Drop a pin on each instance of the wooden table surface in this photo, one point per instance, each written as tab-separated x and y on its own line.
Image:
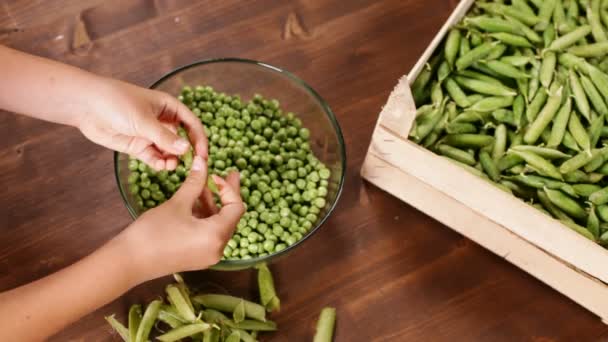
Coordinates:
393	273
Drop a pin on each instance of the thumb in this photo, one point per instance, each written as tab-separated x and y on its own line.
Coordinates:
164	138
194	184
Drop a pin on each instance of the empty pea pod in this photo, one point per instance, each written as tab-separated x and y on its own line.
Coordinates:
570	39
484	87
325	325
575	127
183	332
452	46
268	295
545	117
147	321
560	124
566	203
456	93
135	316
474	55
541	164
120	329
493	103
468	140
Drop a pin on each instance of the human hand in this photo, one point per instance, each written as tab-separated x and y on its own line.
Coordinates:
142	123
187	232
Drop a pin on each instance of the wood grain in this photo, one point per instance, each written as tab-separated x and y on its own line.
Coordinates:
393	273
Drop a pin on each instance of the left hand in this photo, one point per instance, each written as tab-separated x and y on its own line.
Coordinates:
142	123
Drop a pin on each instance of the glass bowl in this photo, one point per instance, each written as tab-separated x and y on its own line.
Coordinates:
246	78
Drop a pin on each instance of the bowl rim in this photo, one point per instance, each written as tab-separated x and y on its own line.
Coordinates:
239	263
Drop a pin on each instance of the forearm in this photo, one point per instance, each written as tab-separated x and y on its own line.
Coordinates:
37	310
45	89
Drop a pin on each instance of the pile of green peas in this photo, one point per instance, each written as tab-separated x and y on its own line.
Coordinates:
283	185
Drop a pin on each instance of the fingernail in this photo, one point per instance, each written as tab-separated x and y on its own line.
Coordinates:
181	144
198	164
217	179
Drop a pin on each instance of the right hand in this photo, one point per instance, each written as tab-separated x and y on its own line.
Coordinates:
187	232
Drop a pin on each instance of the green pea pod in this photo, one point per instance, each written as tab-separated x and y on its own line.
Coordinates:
489	166
535	106
465	46
527	32
233	337
599	197
540	163
508	161
547	68
505	69
522	5
485	87
122	331
500	9
559	13
479	76
468	168
452	46
135	316
575	127
544	118
500	142
268	295
518	190
511	39
595	129
456	93
579	229
492	103
252	325
585	190
492	25
570	39
560	124
600	80
591	50
545	152
471	117
497	52
569	142
169	316
517	139
517	61
147	321
475	98
553	209
594	20
425	126
518	111
602	212
572	11
457	154
580	97
325	325
183	332
468	140
244	335
594	96
443	72
474	55
211	335
549	35
504	116
539	182
460	128
580	160
544	14
566	203
238	315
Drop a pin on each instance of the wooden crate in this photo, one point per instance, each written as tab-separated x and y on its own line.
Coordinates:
524	236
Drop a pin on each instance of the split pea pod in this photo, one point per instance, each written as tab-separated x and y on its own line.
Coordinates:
228	304
541	164
135	316
544	117
560	124
122	331
184	331
325	325
268	295
147	321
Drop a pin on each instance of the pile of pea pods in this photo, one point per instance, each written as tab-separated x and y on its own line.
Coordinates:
517	94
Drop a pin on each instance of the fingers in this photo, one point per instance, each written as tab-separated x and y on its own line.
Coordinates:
155	159
194	127
208	202
232	205
194	184
163	137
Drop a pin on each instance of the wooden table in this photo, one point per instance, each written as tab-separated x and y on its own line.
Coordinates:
393	273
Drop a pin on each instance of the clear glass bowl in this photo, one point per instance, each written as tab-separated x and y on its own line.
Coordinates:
247	77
